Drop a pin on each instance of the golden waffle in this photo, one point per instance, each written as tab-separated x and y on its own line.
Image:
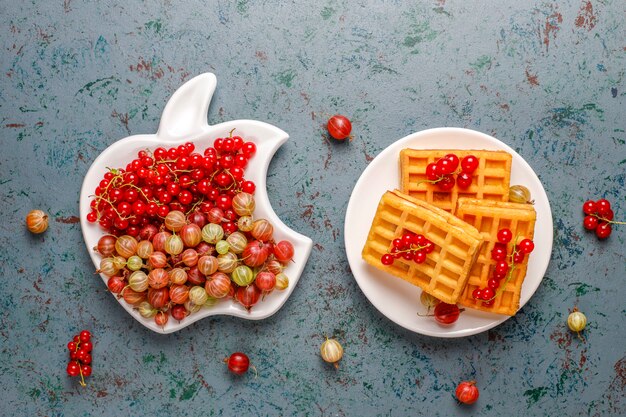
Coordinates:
490	181
446	269
489	217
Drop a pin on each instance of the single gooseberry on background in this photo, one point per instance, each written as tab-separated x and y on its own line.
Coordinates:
37	221
339	127
332	352
467	392
576	321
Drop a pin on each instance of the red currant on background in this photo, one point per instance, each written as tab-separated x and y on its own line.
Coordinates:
590	222
589	207
603	230
339	127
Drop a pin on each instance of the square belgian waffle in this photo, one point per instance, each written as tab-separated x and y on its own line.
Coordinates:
490	181
489	217
446	269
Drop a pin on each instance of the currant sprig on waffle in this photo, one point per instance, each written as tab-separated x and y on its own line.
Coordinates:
599	217
411	247
442	171
506	263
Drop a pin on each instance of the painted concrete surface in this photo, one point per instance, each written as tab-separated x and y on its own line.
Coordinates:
545	77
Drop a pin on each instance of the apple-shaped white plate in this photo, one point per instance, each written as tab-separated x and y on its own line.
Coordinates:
397	299
184	119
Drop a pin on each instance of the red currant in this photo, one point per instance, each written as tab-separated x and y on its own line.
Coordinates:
602	206
603	230
526	246
498	253
518	257
387	259
446	183
248	187
590	222
248	149
505	235
589	207
501	267
85	336
431	172
469	164
73	369
464	180
453	160
86	370
444	166
477	294
488	293
419	257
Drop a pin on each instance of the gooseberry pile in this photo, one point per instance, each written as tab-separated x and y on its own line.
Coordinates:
442	172
411	247
443	313
199	241
599	217
80	349
506	263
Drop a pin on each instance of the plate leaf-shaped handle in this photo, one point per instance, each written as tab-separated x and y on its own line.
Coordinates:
185	114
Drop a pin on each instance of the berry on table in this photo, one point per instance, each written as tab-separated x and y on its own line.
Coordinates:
339	127
599	217
80	358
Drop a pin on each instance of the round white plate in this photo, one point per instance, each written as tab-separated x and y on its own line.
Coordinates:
397	299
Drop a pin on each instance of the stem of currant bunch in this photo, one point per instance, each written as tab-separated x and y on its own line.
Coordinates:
412	248
607	220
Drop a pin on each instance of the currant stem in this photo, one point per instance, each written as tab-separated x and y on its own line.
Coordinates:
82	378
607	220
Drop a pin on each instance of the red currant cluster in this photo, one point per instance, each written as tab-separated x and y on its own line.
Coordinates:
80	356
177	178
505	265
411	247
599	217
442	171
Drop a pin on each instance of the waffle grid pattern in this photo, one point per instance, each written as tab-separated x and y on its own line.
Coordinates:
490	180
445	271
489	217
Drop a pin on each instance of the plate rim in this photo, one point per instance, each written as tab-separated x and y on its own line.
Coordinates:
422	135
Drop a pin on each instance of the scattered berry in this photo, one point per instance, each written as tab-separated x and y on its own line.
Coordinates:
80	358
467	392
36	221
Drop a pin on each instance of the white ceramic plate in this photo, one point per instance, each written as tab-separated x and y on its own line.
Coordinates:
397	299
185	119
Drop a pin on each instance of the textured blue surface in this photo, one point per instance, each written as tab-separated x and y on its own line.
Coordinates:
546	78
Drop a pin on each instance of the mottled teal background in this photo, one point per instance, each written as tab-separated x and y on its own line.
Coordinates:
546	77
